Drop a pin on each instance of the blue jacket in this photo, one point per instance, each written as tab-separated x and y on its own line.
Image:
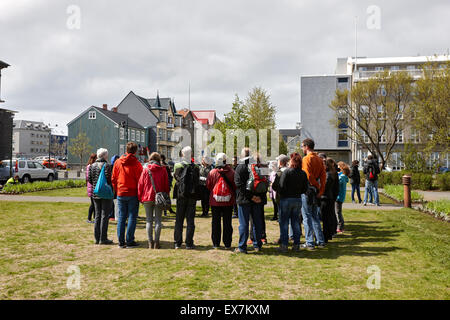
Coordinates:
343	180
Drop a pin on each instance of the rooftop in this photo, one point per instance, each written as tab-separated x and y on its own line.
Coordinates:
205	116
119	117
398	60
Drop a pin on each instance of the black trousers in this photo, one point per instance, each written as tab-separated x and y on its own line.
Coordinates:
275	208
219	214
328	218
185	210
91	210
102	211
263	220
205	200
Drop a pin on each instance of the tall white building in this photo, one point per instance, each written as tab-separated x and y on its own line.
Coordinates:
30	139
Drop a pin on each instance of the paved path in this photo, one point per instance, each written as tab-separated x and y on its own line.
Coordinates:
434	195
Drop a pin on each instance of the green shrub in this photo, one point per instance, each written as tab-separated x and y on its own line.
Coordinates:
396	191
443	181
442	206
43	185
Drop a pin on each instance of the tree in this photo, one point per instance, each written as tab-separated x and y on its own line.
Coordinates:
259	110
375	112
283	149
80	146
432	106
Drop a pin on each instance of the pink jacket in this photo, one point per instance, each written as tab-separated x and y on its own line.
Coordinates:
90	188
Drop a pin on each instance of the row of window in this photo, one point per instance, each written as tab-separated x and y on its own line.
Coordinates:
133	135
36	150
45	143
396	163
164	117
42	136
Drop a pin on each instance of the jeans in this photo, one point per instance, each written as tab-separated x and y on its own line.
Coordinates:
153	213
219	213
102	210
185	209
372	188
246	211
128	209
263	224
355	187
311	222
290	209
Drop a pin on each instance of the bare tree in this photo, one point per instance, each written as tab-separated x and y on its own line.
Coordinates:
80	146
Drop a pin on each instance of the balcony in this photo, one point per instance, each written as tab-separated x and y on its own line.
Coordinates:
365	75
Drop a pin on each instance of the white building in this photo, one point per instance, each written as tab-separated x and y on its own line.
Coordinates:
30	139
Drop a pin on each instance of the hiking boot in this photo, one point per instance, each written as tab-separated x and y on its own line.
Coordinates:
106	242
157	245
283	249
132	244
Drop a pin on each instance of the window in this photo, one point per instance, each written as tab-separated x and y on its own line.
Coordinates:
415	137
92	115
142	137
381	137
122	133
38	165
133	135
400	112
32	142
138	136
362	68
31	165
342	80
411	68
32	135
121	149
32	150
400	136
169	135
395	68
380	111
21	164
128	136
364	137
379	69
342	138
162	116
170	120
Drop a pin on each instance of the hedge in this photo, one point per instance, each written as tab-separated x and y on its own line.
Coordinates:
419	180
42	186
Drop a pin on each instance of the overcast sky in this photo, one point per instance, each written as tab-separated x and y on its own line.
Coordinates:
220	47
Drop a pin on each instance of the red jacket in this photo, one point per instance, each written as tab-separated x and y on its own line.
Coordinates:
211	181
145	188
126	173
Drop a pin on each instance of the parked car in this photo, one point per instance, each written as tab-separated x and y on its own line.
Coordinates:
4	171
30	170
53	163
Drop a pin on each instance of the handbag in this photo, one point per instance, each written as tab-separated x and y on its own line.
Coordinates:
162	199
102	189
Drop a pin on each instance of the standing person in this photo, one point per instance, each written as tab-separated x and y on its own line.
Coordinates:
205	169
343	179
235	207
170	176
273	166
261	211
250	204
371	170
187	176
114	216
89	188
283	161
293	183
355	180
328	199
102	206
147	194
222	189
314	169
126	174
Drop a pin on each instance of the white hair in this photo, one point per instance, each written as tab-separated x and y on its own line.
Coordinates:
102	153
186	152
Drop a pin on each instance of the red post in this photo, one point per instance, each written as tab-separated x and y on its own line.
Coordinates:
406	191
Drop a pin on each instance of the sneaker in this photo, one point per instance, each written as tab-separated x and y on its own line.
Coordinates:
122	245
278	242
237	250
274	218
321	246
364	204
305	246
106	242
250	242
258	249
90	221
216	247
133	244
177	247
112	219
378	205
264	241
283	249
339	231
227	248
190	248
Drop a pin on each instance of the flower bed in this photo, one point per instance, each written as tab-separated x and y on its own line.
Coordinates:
440	209
42	186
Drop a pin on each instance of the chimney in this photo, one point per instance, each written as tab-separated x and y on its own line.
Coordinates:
114	109
105	107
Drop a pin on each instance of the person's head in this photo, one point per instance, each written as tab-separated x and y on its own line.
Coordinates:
235	161
102	154
370	157
344	168
16	177
221	159
330	165
163	158
295	161
186	153
245	152
257	157
273	165
282	160
92	158
132	147
155	156
206	161
355	163
307	145
323	155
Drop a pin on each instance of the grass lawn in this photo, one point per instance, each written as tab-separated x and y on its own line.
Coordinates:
67	192
39	241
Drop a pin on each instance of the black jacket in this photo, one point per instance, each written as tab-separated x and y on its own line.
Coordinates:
94	173
241	176
354	176
293	183
331	187
375	169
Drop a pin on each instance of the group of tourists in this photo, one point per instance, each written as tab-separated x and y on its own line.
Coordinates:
308	191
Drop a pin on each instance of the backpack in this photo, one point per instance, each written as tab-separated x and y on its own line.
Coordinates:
102	189
257	183
372	176
189	182
222	189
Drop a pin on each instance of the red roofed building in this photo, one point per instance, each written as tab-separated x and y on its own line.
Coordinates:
206	117
204	120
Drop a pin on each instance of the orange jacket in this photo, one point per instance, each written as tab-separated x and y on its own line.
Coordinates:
125	177
315	170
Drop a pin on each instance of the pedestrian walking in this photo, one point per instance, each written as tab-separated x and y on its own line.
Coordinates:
205	169
355	181
371	170
89	188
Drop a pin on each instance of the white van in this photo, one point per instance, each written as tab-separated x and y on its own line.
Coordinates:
29	170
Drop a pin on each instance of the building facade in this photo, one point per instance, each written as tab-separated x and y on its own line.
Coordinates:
30	139
6	133
204	120
105	129
188	124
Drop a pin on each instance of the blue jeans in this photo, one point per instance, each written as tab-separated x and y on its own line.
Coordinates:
244	213
372	188
289	210
128	209
355	187
311	222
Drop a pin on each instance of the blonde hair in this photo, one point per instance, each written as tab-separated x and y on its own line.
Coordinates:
344	167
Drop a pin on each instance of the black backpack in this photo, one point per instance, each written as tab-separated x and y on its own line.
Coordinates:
188	184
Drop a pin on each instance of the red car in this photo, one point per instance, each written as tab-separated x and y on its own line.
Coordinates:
53	163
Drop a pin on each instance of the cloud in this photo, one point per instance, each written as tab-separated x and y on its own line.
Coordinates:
219	47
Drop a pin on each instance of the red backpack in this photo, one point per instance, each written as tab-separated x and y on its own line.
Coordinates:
257	183
222	191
